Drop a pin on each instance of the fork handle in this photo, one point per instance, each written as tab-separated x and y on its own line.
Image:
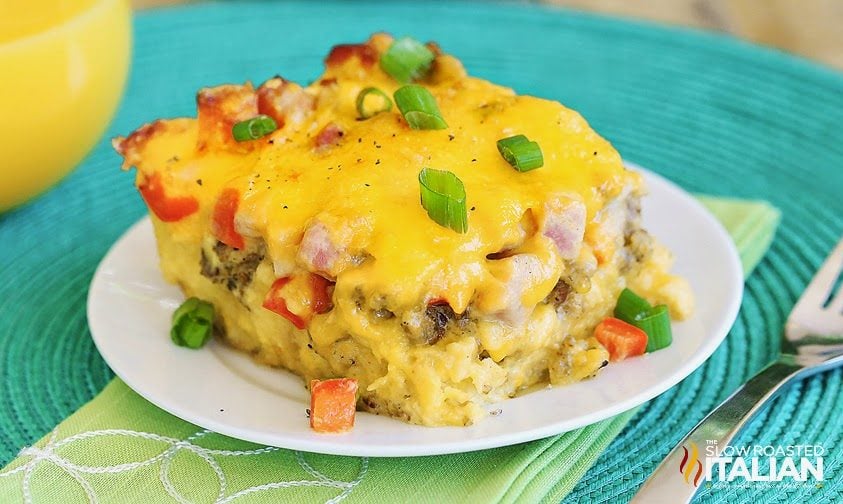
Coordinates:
668	484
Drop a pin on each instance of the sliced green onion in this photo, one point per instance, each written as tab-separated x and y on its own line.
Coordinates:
419	107
521	153
656	323
406	60
443	196
653	320
367	112
192	323
631	307
254	128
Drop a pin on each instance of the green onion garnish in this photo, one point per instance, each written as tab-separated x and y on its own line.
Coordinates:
406	60
656	323
419	107
192	323
385	104
254	128
631	307
521	153
653	320
443	196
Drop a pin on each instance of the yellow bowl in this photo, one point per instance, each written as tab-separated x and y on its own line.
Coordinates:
63	65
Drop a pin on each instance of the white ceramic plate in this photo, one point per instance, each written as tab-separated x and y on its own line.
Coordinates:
129	308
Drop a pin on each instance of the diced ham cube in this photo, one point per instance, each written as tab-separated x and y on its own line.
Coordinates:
608	237
286	102
320	253
525	271
563	221
328	136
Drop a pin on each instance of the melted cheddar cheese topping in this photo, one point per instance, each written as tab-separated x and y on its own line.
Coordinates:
364	185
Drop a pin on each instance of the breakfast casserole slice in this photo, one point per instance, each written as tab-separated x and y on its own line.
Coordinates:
446	251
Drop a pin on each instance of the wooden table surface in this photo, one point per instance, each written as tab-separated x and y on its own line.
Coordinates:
810	28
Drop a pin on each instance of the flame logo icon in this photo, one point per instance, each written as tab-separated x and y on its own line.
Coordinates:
690	462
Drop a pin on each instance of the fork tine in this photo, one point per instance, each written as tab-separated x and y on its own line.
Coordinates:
820	287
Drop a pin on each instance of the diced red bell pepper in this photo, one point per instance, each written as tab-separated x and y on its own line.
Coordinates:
340	53
318	298
333	404
166	208
321	289
622	340
275	301
223	221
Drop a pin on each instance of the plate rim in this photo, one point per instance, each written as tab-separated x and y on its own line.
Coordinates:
332	445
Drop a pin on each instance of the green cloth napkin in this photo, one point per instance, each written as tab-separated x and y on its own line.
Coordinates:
120	448
752	224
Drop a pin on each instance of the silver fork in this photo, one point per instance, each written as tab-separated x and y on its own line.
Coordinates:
813	342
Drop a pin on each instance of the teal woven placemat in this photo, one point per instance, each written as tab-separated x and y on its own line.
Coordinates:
712	114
